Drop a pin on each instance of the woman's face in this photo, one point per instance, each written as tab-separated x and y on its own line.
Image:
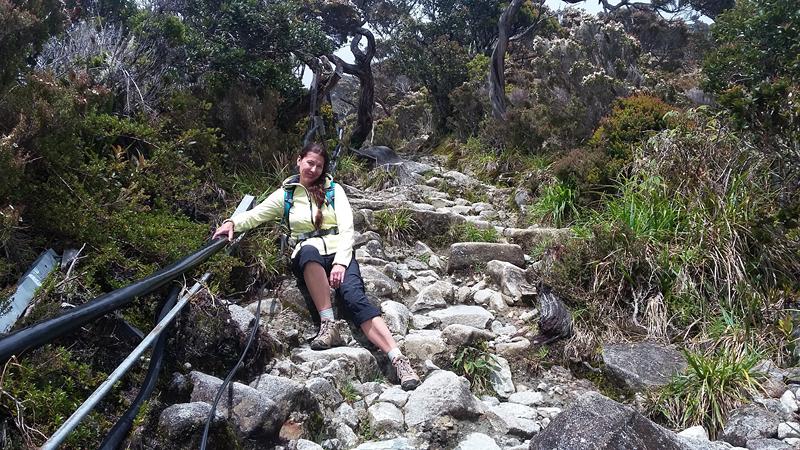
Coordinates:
311	167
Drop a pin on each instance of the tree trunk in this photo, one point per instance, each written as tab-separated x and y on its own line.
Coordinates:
362	69
497	80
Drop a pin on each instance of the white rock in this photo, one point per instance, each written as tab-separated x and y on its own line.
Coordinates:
364	362
500	377
788	430
471	315
789	401
502	329
422	344
697	432
347	415
392	444
346	436
395	396
421	321
520	419
794	442
442	393
517	346
477	441
549	412
527	398
396	316
433	296
303	444
385	417
489	400
483	296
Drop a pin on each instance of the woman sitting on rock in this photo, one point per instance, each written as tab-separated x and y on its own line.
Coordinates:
323	257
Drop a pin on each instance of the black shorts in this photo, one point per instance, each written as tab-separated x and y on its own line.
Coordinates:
351	293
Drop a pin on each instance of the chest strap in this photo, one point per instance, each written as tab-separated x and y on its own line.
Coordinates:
317	233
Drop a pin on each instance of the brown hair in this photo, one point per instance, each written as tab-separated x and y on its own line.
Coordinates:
317	188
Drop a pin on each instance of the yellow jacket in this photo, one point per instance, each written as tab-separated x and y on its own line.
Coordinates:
300	220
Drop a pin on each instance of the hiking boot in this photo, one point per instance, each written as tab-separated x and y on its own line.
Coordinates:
408	377
327	337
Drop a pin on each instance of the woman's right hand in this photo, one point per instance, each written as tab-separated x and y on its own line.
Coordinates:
226	229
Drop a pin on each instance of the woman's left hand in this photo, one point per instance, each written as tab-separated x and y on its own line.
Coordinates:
337	276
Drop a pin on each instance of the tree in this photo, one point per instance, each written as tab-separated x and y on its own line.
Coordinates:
24	28
362	69
710	8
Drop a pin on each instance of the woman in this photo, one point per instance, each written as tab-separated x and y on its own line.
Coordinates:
323	257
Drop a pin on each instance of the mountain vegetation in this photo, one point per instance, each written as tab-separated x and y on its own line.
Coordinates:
668	147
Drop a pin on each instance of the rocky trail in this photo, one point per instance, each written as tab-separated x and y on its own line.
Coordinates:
438	300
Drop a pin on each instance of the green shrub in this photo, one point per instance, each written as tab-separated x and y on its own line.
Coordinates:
397	225
713	385
475	363
469	232
556	204
631	121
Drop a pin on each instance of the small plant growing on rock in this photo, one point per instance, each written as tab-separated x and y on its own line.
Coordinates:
468	232
349	392
475	363
713	385
397	224
556	204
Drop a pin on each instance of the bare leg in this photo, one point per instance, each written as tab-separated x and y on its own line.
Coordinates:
318	287
378	333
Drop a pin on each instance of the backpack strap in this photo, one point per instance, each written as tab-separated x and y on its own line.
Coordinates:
288	201
330	195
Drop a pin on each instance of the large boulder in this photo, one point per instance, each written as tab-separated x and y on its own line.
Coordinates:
433	296
280	389
643	365
748	423
442	393
397	316
364	362
470	315
183	423
377	283
511	279
465	255
251	412
423	344
595	422
434	223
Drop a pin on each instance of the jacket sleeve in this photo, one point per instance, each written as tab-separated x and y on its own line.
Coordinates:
344	221
268	210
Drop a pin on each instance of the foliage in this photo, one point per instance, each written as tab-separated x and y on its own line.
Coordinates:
711	388
25	26
468	232
42	393
700	222
556	204
475	364
396	224
755	67
349	392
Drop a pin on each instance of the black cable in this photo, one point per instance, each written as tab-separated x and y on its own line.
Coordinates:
44	332
253	334
124	424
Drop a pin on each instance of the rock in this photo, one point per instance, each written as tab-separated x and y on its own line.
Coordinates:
421	321
465	255
477	441
179	422
434	223
549	412
484	296
697	433
346	436
520	419
527	398
365	364
516	347
269	307
433	296
442	393
385	418
422	344
396	316
375	282
500	377
469	315
375	248
395	396
393	444
303	444
555	320
324	391
252	413
530	237
511	279
749	422
347	415
643	365
422	281
768	444
360	239
789	402
458	335
594	422
242	318
788	430
279	389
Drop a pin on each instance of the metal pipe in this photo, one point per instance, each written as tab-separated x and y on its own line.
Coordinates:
58	437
